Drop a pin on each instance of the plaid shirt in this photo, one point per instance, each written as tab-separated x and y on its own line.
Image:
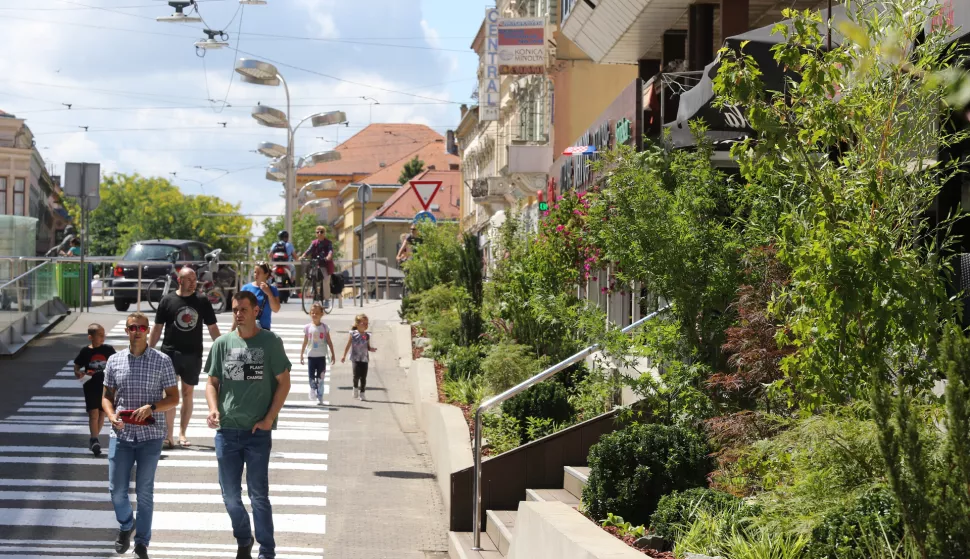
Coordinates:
139	381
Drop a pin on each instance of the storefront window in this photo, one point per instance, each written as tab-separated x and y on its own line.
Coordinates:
3	195
18	196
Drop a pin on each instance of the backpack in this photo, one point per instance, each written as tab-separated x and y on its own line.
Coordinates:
278	246
336	283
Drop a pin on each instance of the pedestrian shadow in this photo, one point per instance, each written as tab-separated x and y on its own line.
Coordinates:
369	388
388	401
334	407
399	474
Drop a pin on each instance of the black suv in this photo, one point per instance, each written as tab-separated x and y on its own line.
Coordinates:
125	275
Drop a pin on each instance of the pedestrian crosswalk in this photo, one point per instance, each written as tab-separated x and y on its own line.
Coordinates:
53	492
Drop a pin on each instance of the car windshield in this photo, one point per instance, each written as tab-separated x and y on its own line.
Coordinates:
149	252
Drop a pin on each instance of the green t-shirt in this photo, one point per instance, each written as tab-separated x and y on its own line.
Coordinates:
247	371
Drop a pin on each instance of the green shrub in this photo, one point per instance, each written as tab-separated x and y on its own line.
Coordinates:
469	391
843	533
443	331
464	362
546	400
435	259
501	432
509	364
623	528
435	300
633	468
677	510
538	427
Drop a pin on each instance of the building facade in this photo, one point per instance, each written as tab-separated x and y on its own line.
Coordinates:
506	161
26	187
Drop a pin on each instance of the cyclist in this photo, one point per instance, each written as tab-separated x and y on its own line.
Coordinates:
321	251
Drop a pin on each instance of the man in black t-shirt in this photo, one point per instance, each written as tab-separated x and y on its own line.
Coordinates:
182	314
89	369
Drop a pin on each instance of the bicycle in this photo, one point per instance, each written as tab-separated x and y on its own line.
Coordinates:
163	285
313	292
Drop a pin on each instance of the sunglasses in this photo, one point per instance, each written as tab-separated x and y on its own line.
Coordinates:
137	328
320	232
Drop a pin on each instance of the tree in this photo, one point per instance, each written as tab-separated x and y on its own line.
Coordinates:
411	169
135	208
303	233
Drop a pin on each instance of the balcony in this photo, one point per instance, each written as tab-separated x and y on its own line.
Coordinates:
528	167
491	192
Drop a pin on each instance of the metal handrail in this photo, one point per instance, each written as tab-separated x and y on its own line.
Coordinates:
494	400
22	276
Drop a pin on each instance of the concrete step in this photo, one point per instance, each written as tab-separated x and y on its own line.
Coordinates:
552	495
499	525
460	547
574	479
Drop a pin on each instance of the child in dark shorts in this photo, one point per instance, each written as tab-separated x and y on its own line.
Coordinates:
89	369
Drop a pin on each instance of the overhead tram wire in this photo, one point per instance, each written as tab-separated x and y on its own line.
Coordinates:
335	78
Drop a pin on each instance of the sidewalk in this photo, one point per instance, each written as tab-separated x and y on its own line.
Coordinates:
386	503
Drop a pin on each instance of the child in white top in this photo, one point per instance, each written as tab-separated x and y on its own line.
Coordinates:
315	335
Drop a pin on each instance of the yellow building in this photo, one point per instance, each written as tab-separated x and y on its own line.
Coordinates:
375	156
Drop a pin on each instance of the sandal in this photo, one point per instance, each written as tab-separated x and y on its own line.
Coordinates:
184	443
167	444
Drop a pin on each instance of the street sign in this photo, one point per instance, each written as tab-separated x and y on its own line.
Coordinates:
82	180
424	216
426	191
364	194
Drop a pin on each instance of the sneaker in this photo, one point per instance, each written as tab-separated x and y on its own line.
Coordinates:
361	396
245	551
141	552
123	541
95	446
356	394
312	395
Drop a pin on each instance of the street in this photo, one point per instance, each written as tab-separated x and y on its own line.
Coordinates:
53	491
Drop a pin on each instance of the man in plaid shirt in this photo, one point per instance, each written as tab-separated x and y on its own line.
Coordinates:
138	381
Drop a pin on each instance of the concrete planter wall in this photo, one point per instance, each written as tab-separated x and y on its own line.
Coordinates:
444	425
554	530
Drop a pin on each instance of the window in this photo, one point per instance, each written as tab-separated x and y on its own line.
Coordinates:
197	253
3	195
18	196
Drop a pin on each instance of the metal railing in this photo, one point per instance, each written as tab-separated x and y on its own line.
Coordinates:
495	400
104	266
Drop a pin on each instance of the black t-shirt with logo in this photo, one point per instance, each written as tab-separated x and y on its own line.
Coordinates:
181	317
92	361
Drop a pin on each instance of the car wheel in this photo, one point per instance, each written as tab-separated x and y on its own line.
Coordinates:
121	305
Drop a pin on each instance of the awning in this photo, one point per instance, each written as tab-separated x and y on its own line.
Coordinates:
730	123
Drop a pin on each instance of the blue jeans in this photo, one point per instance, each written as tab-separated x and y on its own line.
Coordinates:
235	448
122	456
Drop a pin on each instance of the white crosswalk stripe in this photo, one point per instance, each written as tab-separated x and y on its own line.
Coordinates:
48	487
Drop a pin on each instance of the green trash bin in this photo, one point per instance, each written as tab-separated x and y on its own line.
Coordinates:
68	277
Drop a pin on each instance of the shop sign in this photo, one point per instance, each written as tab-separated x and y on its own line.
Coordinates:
489	93
577	171
624	131
521	46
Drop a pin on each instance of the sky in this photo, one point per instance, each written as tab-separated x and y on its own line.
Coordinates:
151	105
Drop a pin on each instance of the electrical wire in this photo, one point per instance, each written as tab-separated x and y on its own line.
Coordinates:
356	42
332	77
110	10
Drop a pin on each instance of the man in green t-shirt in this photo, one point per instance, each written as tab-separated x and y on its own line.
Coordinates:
249	378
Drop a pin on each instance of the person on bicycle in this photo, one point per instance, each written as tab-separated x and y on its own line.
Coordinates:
321	252
407	245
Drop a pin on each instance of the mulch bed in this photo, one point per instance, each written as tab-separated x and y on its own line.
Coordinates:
630	540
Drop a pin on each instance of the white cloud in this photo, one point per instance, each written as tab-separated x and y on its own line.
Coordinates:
433	38
321	15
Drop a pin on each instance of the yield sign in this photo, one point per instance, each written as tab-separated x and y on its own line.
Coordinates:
426	191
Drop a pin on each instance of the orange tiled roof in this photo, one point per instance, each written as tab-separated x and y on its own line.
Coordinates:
404	204
433	155
364	152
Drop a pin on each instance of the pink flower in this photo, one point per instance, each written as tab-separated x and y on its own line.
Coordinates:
559	228
603	290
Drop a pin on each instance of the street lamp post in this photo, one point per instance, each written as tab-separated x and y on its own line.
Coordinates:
264	73
370	115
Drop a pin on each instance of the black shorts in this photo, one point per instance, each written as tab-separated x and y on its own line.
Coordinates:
93	390
188	366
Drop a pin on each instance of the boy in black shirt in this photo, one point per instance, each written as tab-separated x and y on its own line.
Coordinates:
89	369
